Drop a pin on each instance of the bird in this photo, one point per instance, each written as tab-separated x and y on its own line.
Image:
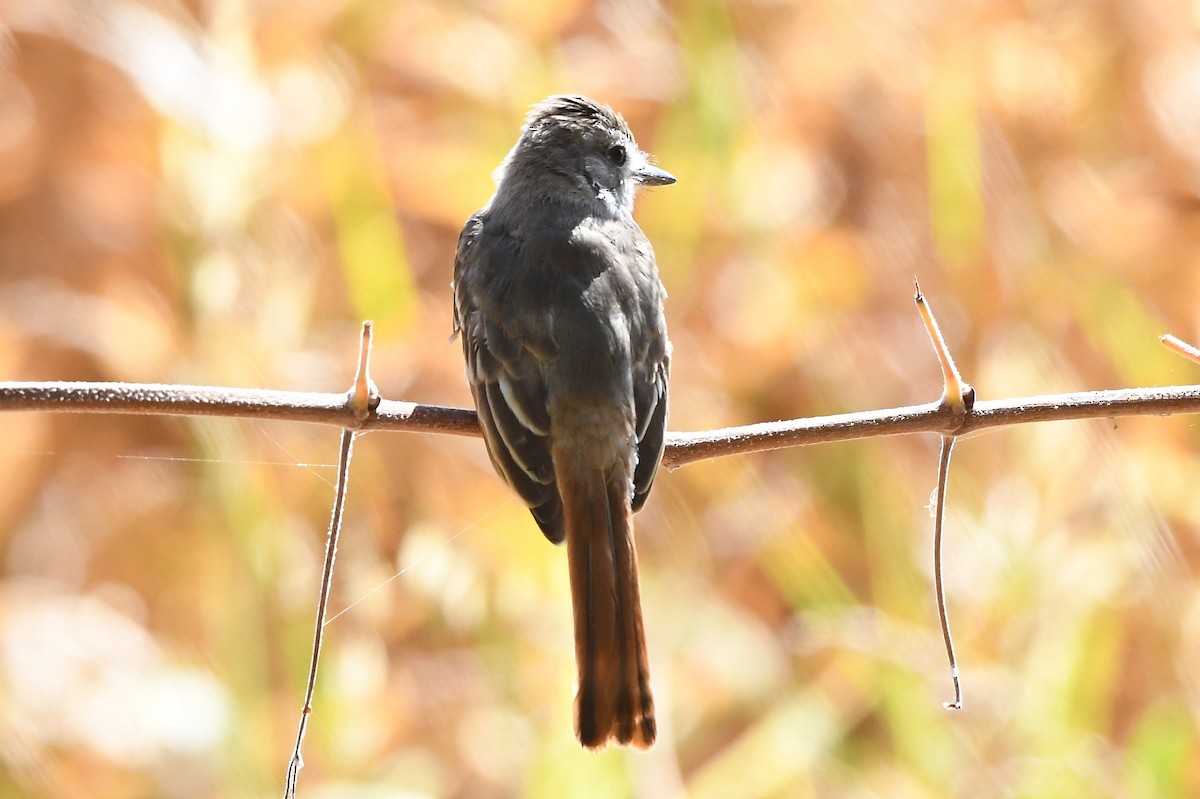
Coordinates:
559	307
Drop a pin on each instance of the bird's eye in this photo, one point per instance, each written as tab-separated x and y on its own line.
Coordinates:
617	154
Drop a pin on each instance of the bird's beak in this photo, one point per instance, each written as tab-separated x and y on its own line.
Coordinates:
650	175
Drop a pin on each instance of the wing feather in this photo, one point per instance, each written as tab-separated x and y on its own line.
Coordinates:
652	405
510	396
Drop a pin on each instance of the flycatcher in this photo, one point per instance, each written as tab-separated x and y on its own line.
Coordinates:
560	308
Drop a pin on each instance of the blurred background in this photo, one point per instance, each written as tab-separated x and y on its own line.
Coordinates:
219	192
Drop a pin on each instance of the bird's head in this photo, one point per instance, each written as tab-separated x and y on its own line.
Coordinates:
580	152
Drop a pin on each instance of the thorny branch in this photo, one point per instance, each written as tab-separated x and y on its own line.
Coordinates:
360	409
682	448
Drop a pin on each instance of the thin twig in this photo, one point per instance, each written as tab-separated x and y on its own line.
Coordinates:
335	528
939	515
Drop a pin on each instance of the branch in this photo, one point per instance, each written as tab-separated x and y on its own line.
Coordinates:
682	448
360	409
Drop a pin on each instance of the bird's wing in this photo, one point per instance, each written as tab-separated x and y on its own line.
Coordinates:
652	368
510	395
651	401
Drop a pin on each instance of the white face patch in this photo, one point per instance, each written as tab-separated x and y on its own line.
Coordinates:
611	203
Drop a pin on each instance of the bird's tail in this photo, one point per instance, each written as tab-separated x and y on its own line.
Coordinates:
613	700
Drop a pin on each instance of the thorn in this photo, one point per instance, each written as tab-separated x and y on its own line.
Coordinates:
956	392
1180	347
364	395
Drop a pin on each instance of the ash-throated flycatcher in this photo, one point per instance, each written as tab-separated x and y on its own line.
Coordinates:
560	308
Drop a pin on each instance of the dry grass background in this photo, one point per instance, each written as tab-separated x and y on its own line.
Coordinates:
218	192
